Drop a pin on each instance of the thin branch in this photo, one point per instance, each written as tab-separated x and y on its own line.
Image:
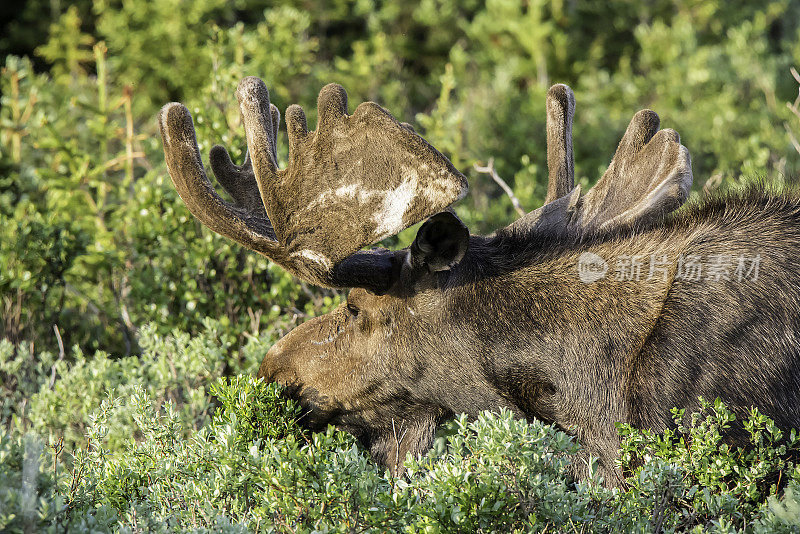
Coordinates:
60	356
489	169
792	138
793	107
795	74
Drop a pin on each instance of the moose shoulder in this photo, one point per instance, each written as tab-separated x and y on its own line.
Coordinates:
591	310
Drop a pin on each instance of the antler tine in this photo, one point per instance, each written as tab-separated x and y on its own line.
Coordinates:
186	169
562	195
260	127
331	106
560	161
296	128
237	180
240	181
649	176
598	201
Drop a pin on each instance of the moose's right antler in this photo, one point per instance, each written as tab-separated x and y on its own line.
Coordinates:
649	176
354	181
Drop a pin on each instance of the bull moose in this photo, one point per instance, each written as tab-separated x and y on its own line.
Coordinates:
538	317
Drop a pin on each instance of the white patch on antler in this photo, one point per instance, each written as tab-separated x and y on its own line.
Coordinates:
388	216
389	220
191	146
437	189
347	190
330	339
313	256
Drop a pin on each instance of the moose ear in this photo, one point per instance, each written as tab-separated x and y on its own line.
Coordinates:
441	242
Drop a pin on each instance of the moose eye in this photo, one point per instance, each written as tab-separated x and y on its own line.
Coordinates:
352	309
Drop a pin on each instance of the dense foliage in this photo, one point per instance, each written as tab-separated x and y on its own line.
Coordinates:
151	454
117	403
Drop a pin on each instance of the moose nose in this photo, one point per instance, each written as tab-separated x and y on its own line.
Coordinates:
275	366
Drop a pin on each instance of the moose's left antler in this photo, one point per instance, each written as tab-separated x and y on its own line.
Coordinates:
353	181
649	176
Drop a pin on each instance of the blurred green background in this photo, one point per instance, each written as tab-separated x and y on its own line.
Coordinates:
95	241
120	314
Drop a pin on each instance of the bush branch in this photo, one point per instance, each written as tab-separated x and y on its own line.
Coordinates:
489	169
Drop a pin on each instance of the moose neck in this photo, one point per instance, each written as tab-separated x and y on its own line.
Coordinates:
552	344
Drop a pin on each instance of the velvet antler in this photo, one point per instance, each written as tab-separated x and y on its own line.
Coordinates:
353	181
649	176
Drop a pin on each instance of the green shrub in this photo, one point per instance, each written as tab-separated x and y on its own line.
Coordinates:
690	477
56	398
146	448
496	474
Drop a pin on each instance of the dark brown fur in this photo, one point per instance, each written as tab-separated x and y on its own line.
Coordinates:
512	326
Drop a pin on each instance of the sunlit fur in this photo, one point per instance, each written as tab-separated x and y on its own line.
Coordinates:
512	326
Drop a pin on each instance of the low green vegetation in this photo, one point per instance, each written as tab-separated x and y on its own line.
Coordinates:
129	332
163	443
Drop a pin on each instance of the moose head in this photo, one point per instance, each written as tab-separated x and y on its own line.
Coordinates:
455	322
